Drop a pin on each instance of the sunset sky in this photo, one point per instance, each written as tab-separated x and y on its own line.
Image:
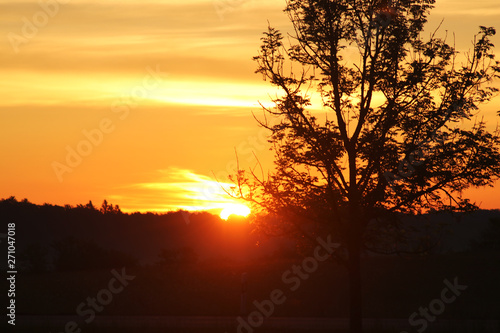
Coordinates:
162	89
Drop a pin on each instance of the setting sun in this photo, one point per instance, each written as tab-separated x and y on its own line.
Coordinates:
234	209
170	98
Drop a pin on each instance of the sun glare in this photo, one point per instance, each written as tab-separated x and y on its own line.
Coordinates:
234	209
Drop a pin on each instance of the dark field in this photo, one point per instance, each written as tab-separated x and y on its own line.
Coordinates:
187	277
394	288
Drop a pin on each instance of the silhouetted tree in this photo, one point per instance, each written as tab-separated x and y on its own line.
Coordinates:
371	121
109	208
90	206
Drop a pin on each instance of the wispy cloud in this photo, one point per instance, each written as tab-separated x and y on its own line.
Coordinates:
67	77
92	49
177	188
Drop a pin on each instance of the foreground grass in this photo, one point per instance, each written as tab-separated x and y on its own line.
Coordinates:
393	288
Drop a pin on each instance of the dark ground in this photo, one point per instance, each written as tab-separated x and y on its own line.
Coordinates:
194	269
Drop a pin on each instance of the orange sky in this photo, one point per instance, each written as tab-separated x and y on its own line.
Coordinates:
163	89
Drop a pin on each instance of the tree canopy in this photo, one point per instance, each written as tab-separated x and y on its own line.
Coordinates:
372	116
371	120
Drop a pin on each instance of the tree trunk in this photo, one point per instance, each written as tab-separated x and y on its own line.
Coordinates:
355	296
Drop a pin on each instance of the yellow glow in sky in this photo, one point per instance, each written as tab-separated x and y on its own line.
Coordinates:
162	90
237	209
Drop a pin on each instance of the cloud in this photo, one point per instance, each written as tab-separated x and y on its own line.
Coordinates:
177	188
91	49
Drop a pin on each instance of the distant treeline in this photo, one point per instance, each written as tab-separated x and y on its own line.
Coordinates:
191	263
62	238
51	237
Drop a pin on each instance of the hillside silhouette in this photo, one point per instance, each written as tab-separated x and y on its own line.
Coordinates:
191	263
